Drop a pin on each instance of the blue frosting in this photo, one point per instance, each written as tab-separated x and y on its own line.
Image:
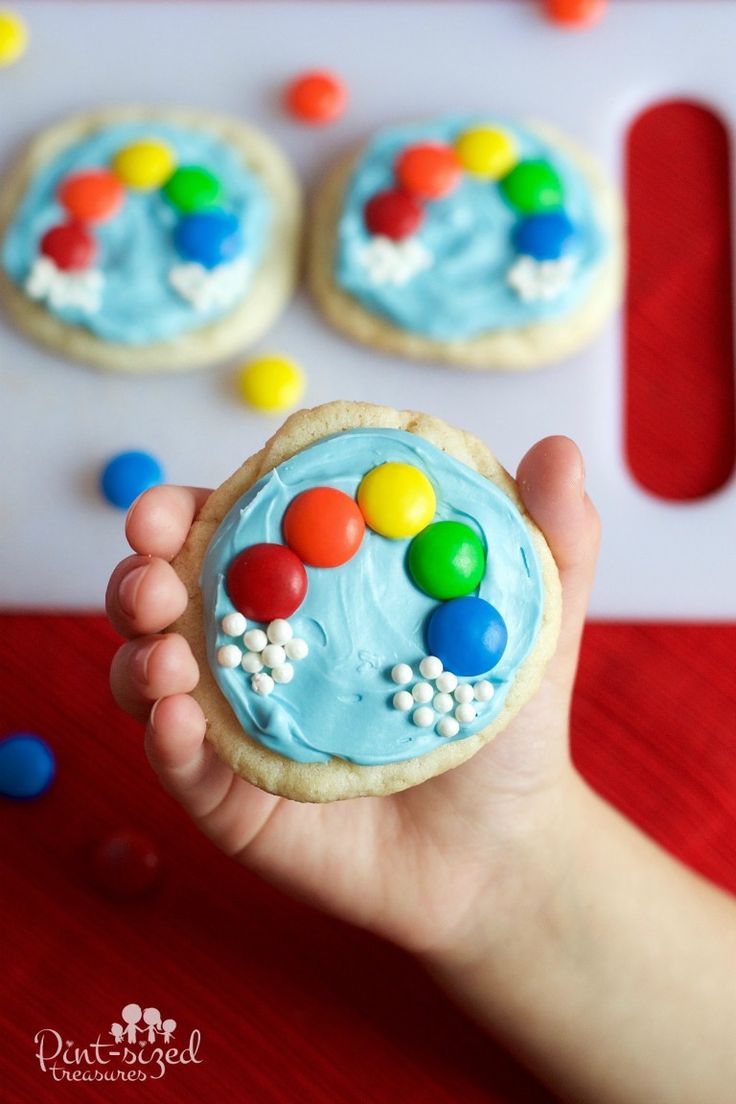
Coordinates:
362	618
464	292
136	249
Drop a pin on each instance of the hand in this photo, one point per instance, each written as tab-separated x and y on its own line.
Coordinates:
414	866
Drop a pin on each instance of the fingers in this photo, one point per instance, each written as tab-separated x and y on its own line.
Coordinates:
144	595
149	668
158	521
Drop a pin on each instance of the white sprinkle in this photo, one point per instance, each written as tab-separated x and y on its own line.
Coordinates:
430	667
279	631
422	692
296	648
255	640
273	655
262	683
283	674
483	690
234	624
402	673
465	713
448	727
229	655
251	663
442	703
423	716
446	682
403	700
464	693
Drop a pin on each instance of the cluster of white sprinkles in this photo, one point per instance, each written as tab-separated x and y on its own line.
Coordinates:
270	649
447	696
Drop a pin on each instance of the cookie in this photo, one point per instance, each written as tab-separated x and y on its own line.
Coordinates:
369	604
147	239
480	243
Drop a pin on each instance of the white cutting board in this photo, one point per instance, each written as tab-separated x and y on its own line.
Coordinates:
59	421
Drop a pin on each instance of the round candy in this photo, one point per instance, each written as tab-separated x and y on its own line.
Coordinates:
209	238
544	236
397	500
13	37
430	667
271	383
468	634
192	188
70	246
229	655
262	684
317	97
324	527
393	214
430	170
93	195
402	673
266	581
126	864
422	692
296	648
487	152
403	701
251	663
423	716
234	624
279	631
128	475
273	655
144	165
447	559
27	765
533	186
575	13
448	727
255	640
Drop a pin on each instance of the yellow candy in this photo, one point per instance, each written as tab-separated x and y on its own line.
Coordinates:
271	383
487	152
397	500
144	165
13	37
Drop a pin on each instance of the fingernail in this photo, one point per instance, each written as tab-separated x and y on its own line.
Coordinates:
141	659
152	714
128	589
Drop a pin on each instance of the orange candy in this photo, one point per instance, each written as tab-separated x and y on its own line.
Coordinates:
316	97
430	170
575	13
93	195
324	527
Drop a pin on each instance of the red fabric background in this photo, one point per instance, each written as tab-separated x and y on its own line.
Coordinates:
292	1005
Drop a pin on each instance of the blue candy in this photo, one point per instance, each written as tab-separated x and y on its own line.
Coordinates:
468	634
543	237
127	475
209	237
27	765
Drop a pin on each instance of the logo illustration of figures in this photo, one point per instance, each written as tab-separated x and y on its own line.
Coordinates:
132	1015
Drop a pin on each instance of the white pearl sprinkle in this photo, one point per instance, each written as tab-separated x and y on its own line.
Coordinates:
234	624
446	682
483	690
448	727
442	703
422	692
465	713
283	674
423	717
296	648
251	662
403	700
279	631
262	683
464	693
402	673
430	667
273	655
229	655
255	640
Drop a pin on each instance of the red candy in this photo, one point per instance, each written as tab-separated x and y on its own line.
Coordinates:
430	170
125	864
394	214
575	13
316	97
94	195
71	246
266	581
324	527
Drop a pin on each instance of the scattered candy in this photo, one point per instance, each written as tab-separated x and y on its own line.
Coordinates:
468	634
397	500
483	690
229	655
430	170
94	195
575	13
144	165
209	238
402	673
255	640
464	693
403	700
273	655
543	237
192	188
296	648
271	383
70	246
283	673
234	624
447	560
27	765
423	717
393	214
422	692
535	281
316	97
279	631
442	703
448	727
251	663
262	684
430	667
465	713
126	864
13	37
128	475
324	527
533	186
446	682
266	581
487	152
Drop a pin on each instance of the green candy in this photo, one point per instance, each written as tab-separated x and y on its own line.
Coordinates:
192	188
447	560
533	186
